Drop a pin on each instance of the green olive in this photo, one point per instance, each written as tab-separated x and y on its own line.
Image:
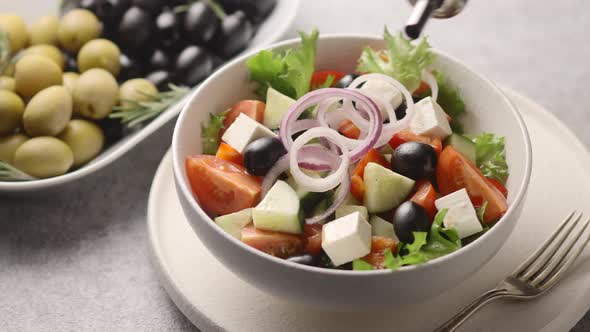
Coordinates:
11	111
7	83
49	51
84	138
43	157
95	94
100	53
136	90
16	28
48	112
34	73
44	30
69	80
76	28
9	144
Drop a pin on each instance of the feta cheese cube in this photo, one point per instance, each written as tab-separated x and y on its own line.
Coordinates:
347	238
460	215
430	120
243	131
382	92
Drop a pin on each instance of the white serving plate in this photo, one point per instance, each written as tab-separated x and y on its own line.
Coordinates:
270	31
214	299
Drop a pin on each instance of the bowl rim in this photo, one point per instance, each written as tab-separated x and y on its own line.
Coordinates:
184	188
133	139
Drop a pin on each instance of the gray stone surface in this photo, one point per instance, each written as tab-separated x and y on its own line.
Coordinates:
78	259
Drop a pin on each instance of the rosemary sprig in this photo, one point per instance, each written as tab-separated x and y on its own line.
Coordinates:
11	173
138	113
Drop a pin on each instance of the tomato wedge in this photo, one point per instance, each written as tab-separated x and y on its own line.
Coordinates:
273	243
252	108
222	187
321	76
405	136
373	156
349	129
455	172
378	246
425	195
357	187
499	186
313	239
228	153
424	87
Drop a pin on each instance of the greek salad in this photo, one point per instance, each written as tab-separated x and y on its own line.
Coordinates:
359	171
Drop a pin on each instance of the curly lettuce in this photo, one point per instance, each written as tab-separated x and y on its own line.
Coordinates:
490	156
210	133
439	241
401	60
290	72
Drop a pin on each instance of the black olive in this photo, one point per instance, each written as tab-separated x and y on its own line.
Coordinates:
135	29
130	68
345	81
325	262
400	111
71	63
153	6
167	27
256	10
193	65
109	12
160	78
408	218
304	259
414	160
160	60
200	23
261	155
233	35
217	61
112	128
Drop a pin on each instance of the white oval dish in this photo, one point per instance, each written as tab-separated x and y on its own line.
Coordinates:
488	110
270	31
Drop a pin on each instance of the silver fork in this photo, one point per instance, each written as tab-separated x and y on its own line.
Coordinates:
538	273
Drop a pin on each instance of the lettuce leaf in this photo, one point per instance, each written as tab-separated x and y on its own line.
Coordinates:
361	265
289	72
402	60
210	137
426	246
490	156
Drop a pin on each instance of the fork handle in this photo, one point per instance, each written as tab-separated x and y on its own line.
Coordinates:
469	310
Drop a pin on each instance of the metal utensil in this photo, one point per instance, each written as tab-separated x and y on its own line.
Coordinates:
424	9
541	271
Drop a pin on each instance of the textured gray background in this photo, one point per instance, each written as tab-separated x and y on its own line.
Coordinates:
79	258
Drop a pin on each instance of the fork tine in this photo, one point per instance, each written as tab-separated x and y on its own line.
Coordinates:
559	256
550	250
562	268
541	249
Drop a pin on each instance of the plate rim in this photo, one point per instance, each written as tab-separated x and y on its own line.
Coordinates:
200	320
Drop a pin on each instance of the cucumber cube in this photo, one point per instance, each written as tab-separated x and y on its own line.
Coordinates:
277	105
234	222
384	189
279	210
380	227
344	210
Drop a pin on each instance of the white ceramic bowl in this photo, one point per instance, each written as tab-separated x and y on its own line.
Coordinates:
270	31
488	110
